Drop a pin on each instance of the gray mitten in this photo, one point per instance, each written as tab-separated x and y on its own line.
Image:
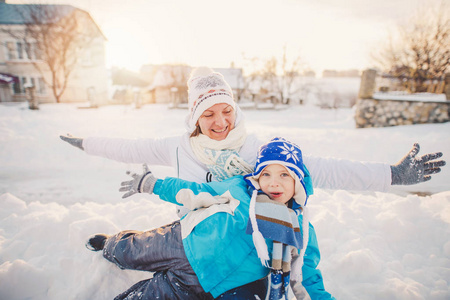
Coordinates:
74	141
142	183
411	169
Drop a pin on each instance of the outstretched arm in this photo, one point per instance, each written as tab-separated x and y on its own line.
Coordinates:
333	173
190	194
411	169
155	151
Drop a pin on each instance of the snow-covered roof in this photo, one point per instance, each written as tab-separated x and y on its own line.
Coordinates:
22	13
423	97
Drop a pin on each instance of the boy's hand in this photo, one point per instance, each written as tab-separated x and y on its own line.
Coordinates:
76	142
411	169
142	183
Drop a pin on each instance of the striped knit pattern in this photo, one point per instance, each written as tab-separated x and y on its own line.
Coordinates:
277	222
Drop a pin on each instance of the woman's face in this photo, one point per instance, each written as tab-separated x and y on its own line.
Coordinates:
217	121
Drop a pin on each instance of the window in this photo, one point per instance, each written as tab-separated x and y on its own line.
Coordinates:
23	82
36	51
33	52
41	85
11	50
16	88
28	50
37	82
21	50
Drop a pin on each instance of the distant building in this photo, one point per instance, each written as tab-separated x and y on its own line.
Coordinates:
343	73
329	73
19	57
309	73
168	83
235	79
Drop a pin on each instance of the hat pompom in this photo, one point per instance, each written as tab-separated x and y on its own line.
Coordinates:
261	247
258	238
201	71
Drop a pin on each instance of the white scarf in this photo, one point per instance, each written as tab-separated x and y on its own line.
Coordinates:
222	154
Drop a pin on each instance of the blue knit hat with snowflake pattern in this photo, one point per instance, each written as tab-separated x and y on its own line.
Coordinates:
281	151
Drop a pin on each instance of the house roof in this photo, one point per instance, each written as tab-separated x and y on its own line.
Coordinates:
21	14
18	14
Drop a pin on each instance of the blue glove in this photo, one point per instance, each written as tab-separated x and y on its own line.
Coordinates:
143	183
411	169
74	141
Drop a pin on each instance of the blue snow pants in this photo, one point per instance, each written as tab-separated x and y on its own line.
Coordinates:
161	251
254	290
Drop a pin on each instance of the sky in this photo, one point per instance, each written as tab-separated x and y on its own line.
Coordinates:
325	34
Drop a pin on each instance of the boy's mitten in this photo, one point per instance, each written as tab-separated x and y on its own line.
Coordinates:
411	169
96	242
74	141
142	183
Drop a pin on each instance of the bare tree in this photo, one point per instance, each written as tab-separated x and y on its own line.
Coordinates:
280	76
253	79
421	52
290	71
57	37
270	79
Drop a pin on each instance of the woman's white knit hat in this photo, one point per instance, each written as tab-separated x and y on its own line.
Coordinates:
205	89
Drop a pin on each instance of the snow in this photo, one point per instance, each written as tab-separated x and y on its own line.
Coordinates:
400	95
374	245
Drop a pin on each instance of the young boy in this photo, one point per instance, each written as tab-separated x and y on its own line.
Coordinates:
214	251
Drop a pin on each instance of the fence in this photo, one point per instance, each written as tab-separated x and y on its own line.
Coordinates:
380	105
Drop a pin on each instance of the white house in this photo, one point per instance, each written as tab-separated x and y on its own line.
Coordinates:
21	62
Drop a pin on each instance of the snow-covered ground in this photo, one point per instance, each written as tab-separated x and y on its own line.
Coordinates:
374	245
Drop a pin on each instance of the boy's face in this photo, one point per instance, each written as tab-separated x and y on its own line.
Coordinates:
277	183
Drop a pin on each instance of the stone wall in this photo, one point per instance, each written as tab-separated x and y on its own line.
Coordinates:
383	113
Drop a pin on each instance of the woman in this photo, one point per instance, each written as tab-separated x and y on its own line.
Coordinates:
216	146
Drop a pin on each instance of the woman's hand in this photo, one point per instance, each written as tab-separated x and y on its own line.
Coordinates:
411	169
74	141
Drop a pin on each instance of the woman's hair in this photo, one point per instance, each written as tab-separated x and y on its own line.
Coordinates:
196	131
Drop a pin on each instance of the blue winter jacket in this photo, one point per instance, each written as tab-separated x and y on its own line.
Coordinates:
214	234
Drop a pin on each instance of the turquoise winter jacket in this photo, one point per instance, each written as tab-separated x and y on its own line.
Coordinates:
214	235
